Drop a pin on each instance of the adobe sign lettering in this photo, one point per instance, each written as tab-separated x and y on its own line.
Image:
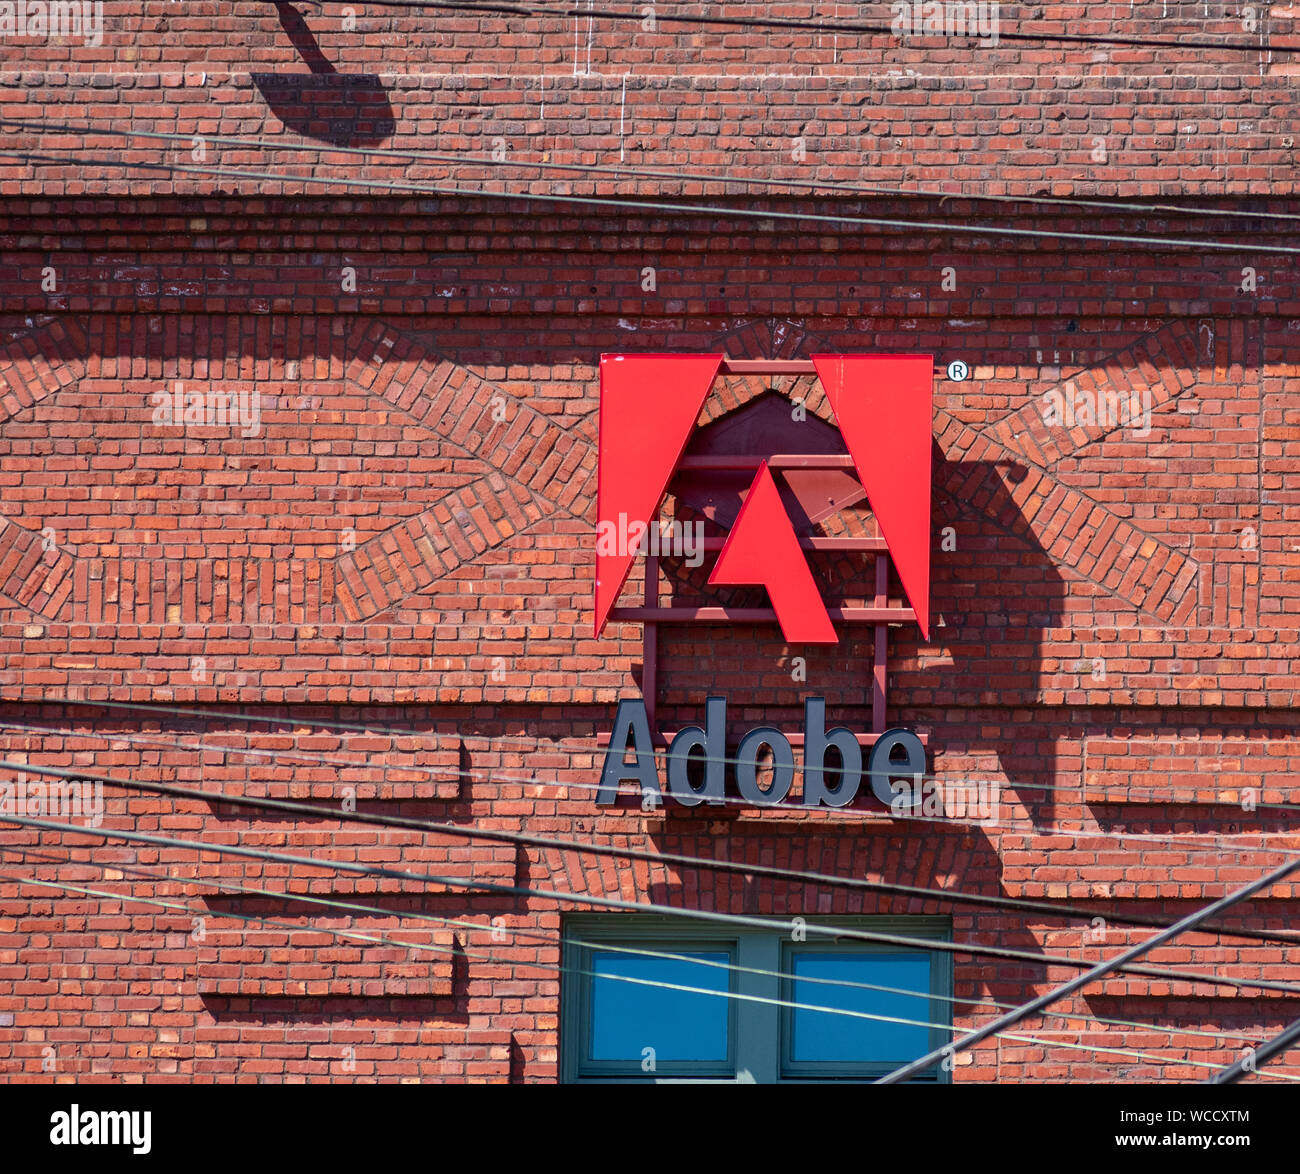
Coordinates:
649	405
896	754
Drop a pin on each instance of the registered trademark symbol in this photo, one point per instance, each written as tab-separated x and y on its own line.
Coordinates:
957	371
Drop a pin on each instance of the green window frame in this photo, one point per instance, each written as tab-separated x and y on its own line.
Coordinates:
761	1024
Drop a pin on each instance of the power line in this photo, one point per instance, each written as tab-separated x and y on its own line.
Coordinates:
1218	842
624	203
659	858
124	899
190	909
795	24
493	741
1218	845
488	957
814	186
1250	1062
224	887
563	896
682	988
611	947
1008	1036
1101	970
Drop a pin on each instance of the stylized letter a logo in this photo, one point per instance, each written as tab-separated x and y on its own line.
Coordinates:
883	405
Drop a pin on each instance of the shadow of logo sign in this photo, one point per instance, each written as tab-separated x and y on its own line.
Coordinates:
347	110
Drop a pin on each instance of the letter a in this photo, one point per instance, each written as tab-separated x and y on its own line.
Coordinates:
629	720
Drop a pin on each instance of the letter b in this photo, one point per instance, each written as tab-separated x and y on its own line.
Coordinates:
817	739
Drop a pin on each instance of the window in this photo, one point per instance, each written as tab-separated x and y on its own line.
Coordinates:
658	998
692	1033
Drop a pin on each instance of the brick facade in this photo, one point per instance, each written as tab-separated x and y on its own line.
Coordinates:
380	591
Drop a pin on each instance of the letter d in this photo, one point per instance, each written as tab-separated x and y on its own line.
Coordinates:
712	739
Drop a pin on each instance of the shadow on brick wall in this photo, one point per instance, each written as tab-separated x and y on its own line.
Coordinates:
347	110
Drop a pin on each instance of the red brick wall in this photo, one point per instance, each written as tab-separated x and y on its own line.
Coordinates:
1029	116
1116	626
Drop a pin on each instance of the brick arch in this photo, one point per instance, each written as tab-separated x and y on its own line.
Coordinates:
36	574
767	339
538	468
535	468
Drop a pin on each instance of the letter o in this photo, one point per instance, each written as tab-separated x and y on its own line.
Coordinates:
747	766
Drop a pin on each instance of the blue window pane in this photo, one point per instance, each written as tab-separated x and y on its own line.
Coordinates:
627	1017
825	1036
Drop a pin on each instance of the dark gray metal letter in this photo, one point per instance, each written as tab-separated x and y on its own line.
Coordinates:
747	766
630	718
816	738
712	739
883	764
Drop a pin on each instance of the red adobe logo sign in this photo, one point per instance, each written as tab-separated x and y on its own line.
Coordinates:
882	403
